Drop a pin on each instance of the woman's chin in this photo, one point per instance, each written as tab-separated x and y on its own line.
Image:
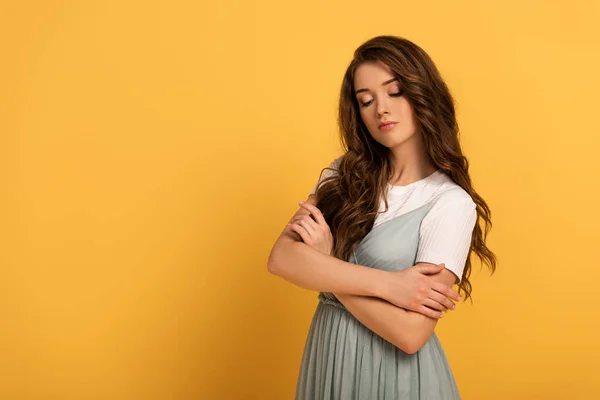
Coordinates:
391	142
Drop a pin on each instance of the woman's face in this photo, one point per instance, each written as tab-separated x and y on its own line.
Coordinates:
380	100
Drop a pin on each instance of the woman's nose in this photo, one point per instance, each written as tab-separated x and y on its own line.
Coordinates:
382	108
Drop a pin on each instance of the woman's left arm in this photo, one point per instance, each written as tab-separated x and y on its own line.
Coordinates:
407	330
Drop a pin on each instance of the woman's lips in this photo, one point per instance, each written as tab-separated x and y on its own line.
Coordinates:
387	127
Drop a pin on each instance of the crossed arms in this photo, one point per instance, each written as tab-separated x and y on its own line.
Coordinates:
383	301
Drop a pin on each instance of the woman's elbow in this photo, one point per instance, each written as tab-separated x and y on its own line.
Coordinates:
406	346
412	347
413	343
273	261
281	251
279	256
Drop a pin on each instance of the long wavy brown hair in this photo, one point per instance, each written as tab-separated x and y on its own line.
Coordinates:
349	199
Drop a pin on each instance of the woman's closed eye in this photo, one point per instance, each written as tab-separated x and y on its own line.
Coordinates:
396	94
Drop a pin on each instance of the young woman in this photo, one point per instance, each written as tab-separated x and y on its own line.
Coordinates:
386	232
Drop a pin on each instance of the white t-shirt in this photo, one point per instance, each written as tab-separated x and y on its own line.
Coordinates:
445	232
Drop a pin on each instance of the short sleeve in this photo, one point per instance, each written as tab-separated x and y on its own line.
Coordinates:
445	234
330	171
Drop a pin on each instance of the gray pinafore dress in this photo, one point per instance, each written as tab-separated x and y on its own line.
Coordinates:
345	360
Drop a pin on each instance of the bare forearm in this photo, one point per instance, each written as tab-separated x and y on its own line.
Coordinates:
405	329
310	269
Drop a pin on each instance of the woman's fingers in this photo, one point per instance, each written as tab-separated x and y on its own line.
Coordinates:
442	300
430	269
428	312
434	305
445	290
314	211
307	225
307	222
300	231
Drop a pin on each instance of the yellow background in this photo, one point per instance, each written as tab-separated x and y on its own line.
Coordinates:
151	153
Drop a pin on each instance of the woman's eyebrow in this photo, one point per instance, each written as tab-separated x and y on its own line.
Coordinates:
383	84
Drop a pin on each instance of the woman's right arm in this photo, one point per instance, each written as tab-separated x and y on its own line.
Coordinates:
300	264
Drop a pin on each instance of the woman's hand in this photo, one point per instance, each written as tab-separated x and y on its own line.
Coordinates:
314	231
414	290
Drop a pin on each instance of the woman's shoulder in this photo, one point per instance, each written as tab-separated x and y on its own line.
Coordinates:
336	163
449	193
333	165
450	208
